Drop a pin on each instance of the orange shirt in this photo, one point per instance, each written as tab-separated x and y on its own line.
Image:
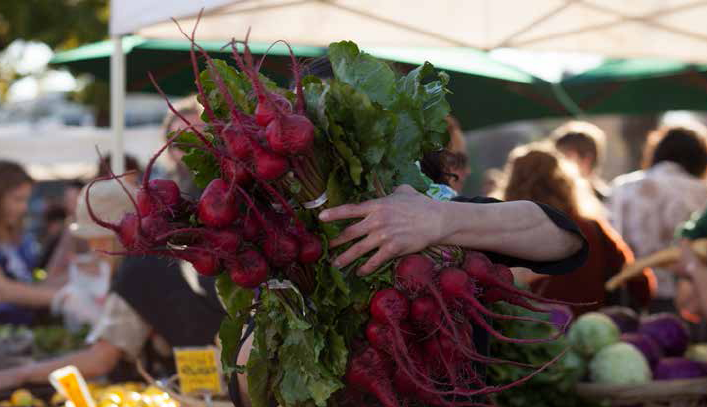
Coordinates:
608	253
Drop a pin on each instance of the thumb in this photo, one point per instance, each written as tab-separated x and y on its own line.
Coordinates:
404	189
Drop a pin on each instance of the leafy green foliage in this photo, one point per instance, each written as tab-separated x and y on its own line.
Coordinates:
60	24
293	360
237	302
372	125
201	162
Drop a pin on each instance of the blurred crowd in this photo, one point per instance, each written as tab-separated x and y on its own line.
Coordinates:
67	271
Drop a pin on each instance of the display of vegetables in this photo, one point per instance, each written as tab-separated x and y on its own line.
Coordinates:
591	332
39	341
644	343
555	386
679	368
625	318
657	349
668	331
619	363
697	352
270	160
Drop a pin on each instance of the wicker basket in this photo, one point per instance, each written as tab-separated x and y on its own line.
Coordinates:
667	393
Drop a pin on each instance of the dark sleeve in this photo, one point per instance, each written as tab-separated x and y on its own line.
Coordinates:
562	221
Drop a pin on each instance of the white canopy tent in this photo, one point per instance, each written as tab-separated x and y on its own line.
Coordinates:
627	28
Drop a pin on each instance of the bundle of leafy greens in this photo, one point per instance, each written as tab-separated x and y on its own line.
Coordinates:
372	125
269	160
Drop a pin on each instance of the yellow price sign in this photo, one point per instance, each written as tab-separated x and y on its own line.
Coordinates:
70	383
199	370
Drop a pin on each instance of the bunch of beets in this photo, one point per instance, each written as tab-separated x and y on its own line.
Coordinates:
419	341
234	233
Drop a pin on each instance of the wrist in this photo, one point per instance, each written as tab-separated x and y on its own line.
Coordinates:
455	216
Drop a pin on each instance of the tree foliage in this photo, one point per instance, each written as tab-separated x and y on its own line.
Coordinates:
61	24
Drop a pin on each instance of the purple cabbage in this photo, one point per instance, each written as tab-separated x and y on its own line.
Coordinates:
625	318
560	315
646	345
679	368
668	331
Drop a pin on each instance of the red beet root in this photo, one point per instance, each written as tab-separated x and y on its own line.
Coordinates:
486	278
227	241
264	112
217	205
310	248
232	171
456	286
280	248
290	135
252	229
413	274
370	373
425	313
269	166
237	144
249	270
204	262
160	194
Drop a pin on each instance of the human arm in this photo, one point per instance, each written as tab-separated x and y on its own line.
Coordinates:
407	221
24	294
97	360
696	271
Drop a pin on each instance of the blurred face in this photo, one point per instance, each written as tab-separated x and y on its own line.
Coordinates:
584	164
175	153
14	204
457	183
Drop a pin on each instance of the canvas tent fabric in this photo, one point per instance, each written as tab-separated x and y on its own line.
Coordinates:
629	28
639	86
483	91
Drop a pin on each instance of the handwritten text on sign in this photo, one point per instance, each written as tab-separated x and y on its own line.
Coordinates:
198	370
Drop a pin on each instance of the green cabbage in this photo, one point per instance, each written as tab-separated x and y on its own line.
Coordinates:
620	363
592	332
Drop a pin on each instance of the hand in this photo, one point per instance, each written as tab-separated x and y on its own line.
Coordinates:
401	223
690	265
686	299
12	378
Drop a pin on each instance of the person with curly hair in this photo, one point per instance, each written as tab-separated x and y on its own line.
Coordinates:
540	173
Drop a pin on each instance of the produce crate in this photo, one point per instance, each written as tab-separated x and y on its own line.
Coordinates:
664	393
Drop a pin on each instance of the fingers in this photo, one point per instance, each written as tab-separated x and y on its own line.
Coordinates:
689	260
348	211
357	250
352	232
377	260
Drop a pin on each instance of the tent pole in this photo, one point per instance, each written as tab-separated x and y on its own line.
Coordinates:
117	104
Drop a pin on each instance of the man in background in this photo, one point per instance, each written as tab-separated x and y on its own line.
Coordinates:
583	143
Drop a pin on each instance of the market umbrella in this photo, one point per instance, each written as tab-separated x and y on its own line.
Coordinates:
626	28
639	86
635	28
483	90
169	61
